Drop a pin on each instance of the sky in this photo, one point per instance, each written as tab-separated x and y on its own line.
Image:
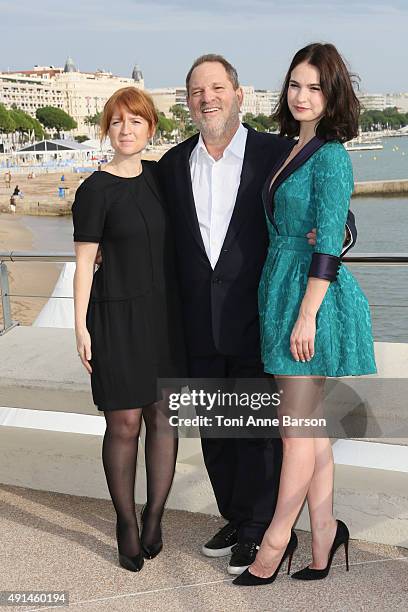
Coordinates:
164	37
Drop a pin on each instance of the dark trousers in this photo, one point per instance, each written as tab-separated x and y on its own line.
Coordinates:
244	472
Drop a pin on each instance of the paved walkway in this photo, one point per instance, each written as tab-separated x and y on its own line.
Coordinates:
52	541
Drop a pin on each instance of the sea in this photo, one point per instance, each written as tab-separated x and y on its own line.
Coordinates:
382	225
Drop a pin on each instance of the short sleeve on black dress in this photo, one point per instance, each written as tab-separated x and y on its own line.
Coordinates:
88	214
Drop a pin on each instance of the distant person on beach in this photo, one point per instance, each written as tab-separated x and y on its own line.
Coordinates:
128	318
16	191
7	179
62	178
12	204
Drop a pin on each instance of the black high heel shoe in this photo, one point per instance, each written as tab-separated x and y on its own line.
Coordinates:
248	579
133	564
152	550
342	537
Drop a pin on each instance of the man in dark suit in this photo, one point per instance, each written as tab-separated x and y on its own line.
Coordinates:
213	185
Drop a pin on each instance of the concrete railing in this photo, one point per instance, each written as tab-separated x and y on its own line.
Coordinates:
371	259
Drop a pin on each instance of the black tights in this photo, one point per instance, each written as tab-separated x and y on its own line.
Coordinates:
119	455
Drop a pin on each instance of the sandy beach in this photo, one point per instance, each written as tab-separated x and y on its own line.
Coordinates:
25	278
41	193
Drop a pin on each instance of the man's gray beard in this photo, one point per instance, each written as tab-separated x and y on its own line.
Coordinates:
221	130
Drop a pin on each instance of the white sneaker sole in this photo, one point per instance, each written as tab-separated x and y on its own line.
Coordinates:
216	552
236	571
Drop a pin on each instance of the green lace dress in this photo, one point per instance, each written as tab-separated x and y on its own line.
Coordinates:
312	192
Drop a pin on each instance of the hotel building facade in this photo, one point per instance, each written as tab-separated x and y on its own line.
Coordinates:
80	94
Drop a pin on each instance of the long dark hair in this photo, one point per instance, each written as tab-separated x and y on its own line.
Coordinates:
340	120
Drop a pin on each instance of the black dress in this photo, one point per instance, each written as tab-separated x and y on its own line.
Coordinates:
134	313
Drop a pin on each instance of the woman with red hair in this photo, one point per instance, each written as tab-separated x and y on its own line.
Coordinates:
127	322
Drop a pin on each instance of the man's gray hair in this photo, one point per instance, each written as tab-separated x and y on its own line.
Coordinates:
213	57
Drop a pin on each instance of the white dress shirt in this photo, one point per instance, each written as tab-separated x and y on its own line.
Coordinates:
215	187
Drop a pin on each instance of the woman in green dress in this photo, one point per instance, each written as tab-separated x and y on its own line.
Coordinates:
315	320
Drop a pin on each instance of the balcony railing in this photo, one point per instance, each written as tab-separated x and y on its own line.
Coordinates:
365	259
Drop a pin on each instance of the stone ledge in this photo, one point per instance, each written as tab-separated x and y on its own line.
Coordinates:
373	502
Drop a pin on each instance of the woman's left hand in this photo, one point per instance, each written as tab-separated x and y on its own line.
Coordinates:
303	337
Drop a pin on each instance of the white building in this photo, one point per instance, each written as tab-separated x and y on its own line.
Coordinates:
372	101
266	101
400	100
167	97
29	92
259	101
249	102
381	101
80	94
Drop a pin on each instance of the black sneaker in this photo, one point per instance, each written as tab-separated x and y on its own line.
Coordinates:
221	544
243	554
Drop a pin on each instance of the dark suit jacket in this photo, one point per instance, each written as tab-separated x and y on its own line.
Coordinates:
220	306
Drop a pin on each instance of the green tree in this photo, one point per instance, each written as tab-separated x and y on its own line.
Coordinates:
81	138
38	128
165	126
7	124
55	118
261	122
379	120
366	121
179	112
184	124
266	122
393	118
21	120
93	119
249	119
26	125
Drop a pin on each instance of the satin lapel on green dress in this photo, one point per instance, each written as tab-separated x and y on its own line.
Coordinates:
304	154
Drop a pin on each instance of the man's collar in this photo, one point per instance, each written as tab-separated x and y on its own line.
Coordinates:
236	146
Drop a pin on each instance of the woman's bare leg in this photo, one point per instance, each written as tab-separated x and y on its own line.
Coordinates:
320	502
300	398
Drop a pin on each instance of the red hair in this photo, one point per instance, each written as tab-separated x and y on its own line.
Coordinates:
135	101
